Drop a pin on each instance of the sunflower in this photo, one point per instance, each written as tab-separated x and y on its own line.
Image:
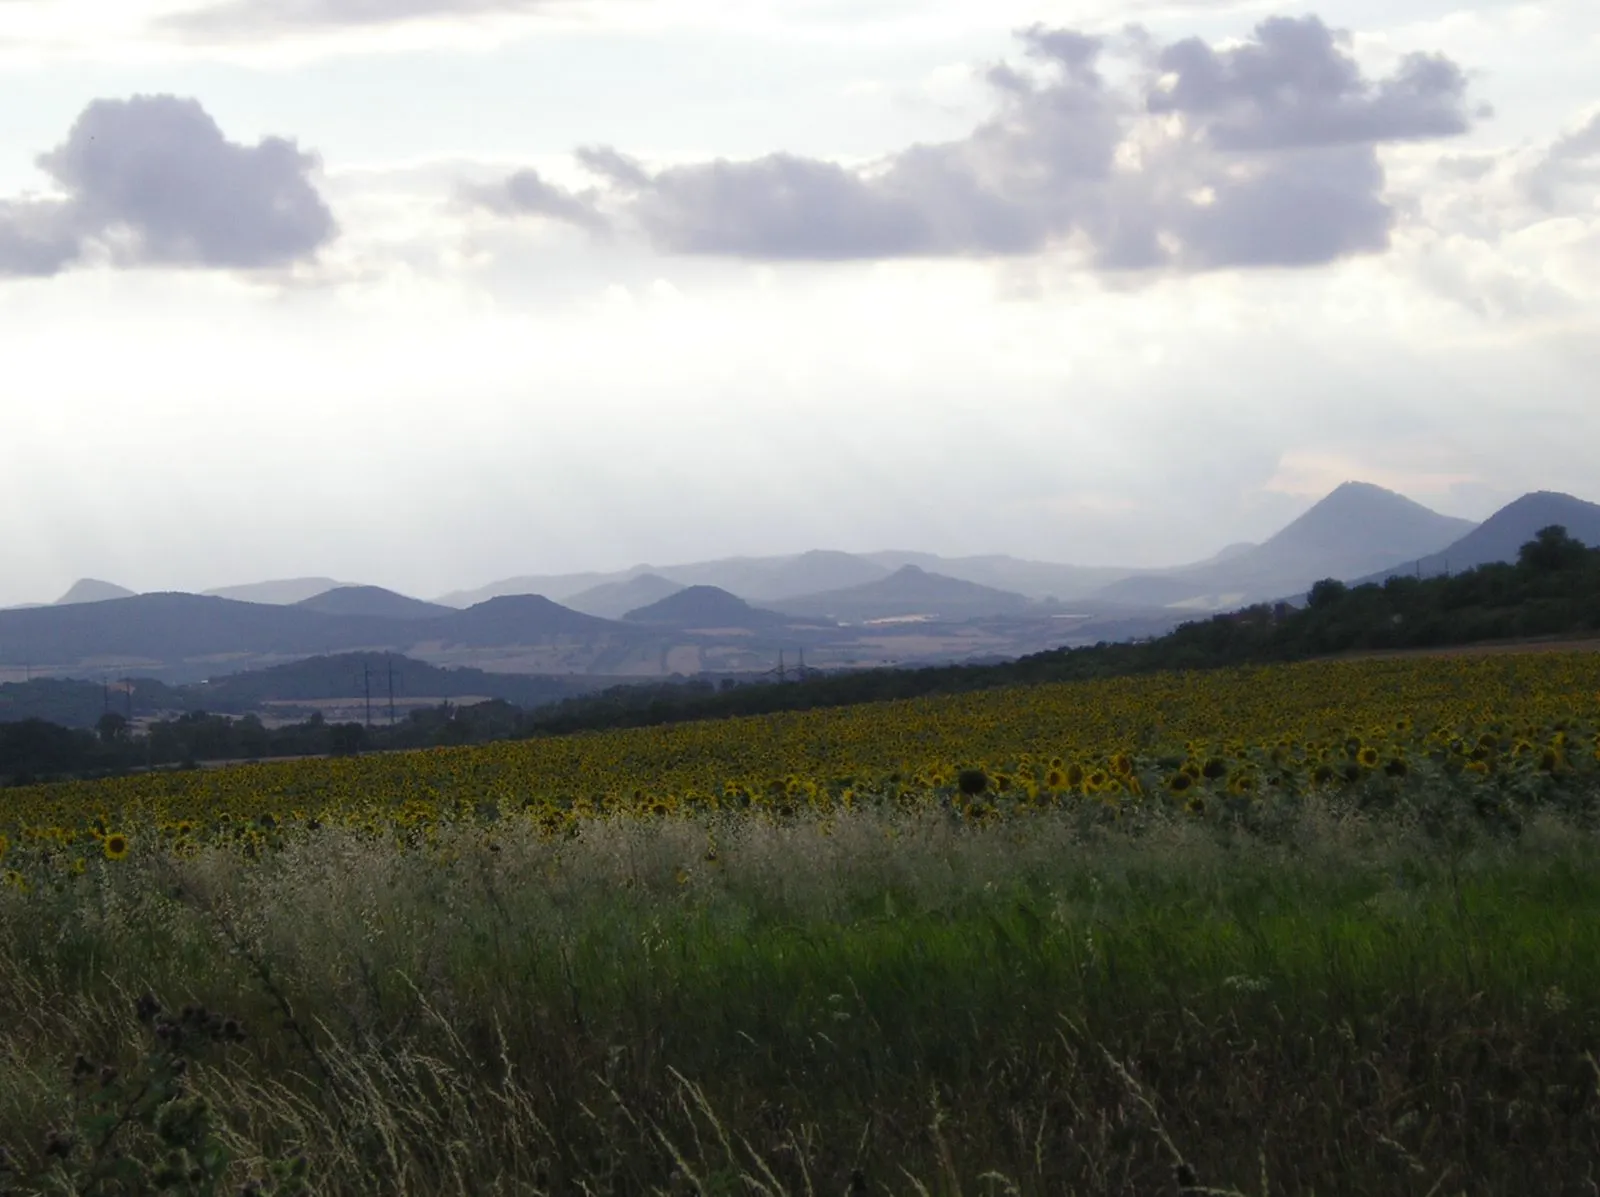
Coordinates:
115	846
1179	782
1368	757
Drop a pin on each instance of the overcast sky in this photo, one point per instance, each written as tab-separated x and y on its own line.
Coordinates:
429	292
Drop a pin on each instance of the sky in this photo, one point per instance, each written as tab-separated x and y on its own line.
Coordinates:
424	293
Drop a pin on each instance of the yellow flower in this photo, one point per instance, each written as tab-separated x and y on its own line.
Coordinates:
115	846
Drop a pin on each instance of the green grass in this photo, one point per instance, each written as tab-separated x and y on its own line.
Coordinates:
889	1004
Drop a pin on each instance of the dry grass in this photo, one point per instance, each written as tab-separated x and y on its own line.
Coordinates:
872	1004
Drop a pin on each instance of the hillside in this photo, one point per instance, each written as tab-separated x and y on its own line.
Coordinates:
700	607
613	600
374	601
909	592
1501	536
1356	530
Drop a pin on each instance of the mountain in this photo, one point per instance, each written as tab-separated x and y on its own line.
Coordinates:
168	627
513	619
1502	535
92	590
909	592
1358	529
559	587
210	634
1031	579
613	600
810	573
704	607
281	592
766	579
371	600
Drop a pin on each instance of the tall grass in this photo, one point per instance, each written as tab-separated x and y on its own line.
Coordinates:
878	1003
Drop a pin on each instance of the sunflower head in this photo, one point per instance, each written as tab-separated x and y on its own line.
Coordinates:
115	846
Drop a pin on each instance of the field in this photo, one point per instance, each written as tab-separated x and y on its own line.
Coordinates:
1316	928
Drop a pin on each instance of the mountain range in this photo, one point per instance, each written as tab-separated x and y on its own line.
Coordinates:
739	613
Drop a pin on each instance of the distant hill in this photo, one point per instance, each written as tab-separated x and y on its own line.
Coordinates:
92	590
75	702
372	600
766	579
1356	530
515	619
613	600
811	573
341	676
168	627
705	607
220	634
80	703
1031	579
559	587
909	591
1502	535
282	592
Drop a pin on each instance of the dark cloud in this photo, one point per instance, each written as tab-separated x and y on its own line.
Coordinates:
155	179
268	17
1258	155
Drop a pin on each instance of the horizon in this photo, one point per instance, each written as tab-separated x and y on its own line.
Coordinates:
433	294
636	569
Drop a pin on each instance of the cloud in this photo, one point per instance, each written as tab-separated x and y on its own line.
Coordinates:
1264	154
1296	87
1571	161
153	180
268	17
527	193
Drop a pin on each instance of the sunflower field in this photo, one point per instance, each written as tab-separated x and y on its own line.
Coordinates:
1507	732
1329	927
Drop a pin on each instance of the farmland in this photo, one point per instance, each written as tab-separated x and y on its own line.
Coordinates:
1307	928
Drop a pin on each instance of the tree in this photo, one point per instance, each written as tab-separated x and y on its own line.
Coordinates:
113	728
1551	550
1326	593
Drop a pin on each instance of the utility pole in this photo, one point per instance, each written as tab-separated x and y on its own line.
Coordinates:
780	667
366	685
389	661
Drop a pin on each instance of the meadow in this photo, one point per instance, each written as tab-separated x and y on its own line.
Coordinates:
1316	928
